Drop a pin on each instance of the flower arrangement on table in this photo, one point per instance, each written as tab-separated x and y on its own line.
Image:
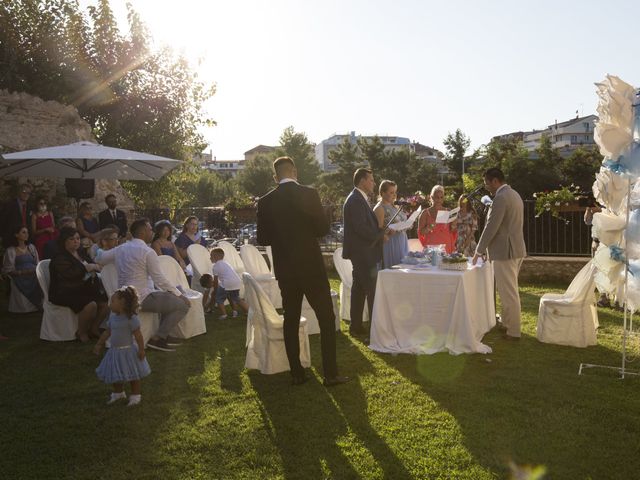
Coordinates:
552	201
455	261
415	200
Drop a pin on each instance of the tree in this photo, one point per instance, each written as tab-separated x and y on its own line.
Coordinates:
456	145
580	168
256	178
132	96
296	145
347	159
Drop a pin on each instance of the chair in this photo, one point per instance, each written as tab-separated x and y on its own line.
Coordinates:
415	245
265	341
59	323
193	323
18	303
200	261
570	318
149	321
345	270
257	266
232	257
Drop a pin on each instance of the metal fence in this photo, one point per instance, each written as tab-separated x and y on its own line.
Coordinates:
567	235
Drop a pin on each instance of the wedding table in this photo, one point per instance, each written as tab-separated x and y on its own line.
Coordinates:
425	310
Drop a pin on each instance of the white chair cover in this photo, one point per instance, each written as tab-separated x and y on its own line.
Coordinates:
256	265
149	321
345	271
570	318
313	327
18	303
193	323
415	245
265	341
59	323
232	257
200	261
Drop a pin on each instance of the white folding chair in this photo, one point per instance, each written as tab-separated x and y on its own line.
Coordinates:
256	265
232	257
415	245
265	341
193	323
345	271
570	318
59	323
149	321
200	261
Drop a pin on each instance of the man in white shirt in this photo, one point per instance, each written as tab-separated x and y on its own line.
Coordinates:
137	265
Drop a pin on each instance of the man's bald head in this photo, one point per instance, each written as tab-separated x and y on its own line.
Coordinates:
284	168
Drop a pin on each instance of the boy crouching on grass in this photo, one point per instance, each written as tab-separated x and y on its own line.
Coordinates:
225	283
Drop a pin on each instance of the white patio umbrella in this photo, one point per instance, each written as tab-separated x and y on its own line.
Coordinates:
85	160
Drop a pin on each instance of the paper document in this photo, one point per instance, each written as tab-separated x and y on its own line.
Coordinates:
447	216
408	223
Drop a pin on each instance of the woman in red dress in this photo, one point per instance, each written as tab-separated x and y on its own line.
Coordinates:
432	233
42	226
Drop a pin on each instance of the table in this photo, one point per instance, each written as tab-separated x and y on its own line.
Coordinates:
429	310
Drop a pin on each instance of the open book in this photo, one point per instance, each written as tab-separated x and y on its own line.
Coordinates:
408	223
447	216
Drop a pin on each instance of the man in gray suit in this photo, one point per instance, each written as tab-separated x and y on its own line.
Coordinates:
503	239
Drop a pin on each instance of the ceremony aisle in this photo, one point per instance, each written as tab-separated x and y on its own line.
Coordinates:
203	417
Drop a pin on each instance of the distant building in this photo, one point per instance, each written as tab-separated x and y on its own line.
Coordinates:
334	141
226	167
259	150
565	136
431	155
202	158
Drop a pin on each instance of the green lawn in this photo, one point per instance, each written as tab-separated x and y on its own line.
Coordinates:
204	416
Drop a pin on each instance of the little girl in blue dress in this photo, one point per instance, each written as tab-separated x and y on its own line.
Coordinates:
125	361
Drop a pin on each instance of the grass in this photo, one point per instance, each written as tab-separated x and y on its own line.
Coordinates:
204	417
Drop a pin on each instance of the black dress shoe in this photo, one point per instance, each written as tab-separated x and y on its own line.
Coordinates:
299	380
332	382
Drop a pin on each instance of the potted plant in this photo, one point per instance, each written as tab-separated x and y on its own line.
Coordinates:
562	200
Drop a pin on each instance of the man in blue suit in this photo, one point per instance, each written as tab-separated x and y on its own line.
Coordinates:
362	245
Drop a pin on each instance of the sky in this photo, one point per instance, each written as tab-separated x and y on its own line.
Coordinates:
416	69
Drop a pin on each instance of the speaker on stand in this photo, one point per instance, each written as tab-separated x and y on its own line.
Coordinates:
80	188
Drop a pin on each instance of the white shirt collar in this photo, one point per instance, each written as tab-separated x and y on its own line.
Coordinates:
287	180
501	187
364	194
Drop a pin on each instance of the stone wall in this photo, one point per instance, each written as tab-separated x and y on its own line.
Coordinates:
28	122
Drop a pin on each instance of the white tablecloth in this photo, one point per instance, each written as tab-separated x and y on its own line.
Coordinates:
431	310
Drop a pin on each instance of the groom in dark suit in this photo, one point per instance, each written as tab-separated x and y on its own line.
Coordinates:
362	245
290	219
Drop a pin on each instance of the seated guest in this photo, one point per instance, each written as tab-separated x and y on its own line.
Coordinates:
74	284
189	236
50	248
432	233
137	265
42	225
86	223
108	239
162	243
15	213
19	263
112	216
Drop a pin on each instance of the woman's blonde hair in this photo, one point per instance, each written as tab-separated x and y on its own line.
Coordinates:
386	185
434	190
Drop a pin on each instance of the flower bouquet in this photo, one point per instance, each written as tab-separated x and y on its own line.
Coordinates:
417	258
455	261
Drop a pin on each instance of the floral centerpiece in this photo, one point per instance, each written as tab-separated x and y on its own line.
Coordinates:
553	201
455	261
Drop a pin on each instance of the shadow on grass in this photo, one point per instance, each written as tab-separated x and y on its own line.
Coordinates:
325	433
526	403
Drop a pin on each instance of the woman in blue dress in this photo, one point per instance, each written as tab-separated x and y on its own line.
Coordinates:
189	236
86	223
396	245
125	360
162	243
19	263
